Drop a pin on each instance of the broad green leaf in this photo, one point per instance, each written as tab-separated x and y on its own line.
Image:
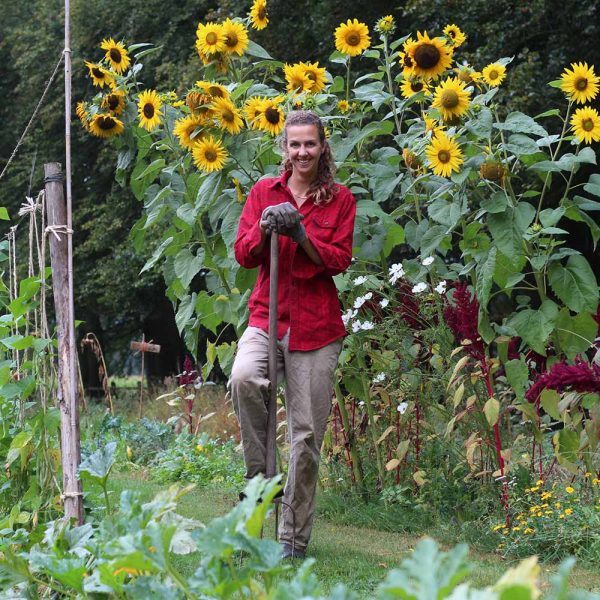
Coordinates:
98	465
575	334
394	237
481	124
519	144
533	327
152	169
157	254
566	445
187	265
258	51
185	310
549	400
521	123
507	233
485	272
447	213
574	283
342	147
496	203
432	239
491	410
593	185
4	214
517	374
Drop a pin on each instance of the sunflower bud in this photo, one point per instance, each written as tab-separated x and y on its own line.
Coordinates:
195	100
129	452
411	160
492	170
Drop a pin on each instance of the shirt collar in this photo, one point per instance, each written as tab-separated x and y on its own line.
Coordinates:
281	180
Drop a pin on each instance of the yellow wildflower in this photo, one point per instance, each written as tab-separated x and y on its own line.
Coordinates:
569	489
568	511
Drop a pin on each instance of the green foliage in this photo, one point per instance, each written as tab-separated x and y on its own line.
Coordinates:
200	460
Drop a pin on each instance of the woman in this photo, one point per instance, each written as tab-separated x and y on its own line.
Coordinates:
315	218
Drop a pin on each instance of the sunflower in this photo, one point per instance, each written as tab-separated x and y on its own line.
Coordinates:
105	126
272	117
236	37
258	14
253	109
298	80
116	55
210	38
451	98
189	130
467	74
83	114
411	160
386	25
214	90
344	106
100	76
430	56
227	115
352	38
455	35
410	87
114	102
316	75
444	155
209	154
149	110
580	83
431	124
585	124
494	74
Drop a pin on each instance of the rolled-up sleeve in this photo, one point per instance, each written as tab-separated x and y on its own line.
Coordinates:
249	234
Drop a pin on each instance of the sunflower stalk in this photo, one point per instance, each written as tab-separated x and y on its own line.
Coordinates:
388	71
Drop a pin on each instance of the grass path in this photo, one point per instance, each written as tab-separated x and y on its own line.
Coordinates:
359	557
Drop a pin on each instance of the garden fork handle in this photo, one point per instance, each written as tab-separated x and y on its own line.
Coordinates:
272	407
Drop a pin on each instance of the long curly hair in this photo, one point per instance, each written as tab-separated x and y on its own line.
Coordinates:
323	188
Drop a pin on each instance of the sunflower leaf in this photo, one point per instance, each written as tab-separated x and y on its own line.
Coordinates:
258	51
518	122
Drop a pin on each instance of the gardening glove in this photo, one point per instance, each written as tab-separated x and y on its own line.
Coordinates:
267	220
288	221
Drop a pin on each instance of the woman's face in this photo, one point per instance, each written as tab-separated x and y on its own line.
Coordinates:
304	149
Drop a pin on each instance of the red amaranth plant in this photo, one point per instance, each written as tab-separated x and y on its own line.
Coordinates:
462	318
409	307
579	377
187	379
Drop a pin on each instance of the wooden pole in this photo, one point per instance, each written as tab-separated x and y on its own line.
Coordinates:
272	364
59	235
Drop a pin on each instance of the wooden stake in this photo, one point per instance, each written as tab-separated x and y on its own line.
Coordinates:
143	347
67	382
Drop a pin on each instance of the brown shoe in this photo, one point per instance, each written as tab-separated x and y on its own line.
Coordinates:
290	551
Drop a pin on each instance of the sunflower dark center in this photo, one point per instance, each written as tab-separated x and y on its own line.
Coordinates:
427	56
353	38
493	74
216	92
106	123
311	75
262	13
581	83
113	102
231	39
587	124
148	110
98	73
210	155
465	76
416	86
444	156
272	115
115	55
228	116
211	38
449	99
452	33
407	61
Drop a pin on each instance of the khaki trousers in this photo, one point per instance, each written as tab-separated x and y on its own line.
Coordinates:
308	392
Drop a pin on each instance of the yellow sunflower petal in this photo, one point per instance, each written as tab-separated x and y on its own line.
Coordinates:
585	124
580	83
352	38
149	105
444	155
116	55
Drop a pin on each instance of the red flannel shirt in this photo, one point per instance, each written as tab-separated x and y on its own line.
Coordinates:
308	303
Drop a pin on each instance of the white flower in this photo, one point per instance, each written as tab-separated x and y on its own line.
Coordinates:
402	407
427	261
356	326
420	287
361	403
379	378
362	299
383	303
440	288
367	325
395	272
349	314
360	280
